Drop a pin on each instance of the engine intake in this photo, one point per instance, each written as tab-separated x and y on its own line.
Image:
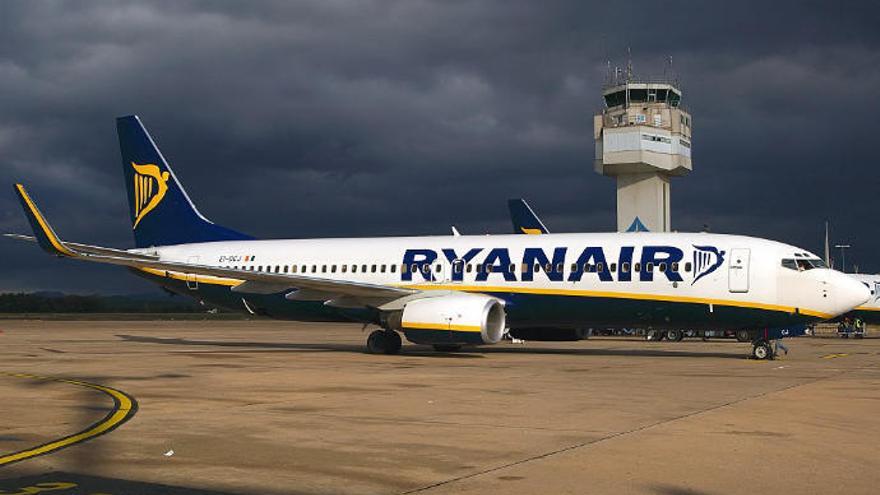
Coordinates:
451	319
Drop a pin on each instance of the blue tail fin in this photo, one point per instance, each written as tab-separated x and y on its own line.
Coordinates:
524	219
161	212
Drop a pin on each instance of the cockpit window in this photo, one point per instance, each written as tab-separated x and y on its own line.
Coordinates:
802	264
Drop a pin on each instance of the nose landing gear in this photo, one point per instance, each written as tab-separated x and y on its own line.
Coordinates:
761	349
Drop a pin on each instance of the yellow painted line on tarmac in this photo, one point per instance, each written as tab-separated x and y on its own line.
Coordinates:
832	356
124	408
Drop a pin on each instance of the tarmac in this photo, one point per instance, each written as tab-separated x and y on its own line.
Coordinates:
264	407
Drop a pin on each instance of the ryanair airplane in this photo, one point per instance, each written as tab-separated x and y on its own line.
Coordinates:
449	291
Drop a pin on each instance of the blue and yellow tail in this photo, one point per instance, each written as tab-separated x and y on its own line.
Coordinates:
525	221
161	212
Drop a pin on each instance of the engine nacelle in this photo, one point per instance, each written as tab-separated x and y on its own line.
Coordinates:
451	319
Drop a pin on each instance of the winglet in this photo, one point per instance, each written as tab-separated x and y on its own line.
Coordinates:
46	237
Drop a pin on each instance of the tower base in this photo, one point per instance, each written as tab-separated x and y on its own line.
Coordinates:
643	198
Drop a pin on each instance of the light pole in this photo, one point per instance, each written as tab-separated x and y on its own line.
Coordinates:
842	248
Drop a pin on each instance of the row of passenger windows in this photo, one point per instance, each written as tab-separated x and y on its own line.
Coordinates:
468	268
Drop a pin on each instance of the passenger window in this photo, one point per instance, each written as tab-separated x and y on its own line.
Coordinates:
314	268
488	268
382	268
393	268
637	267
649	267
479	268
574	267
512	268
323	268
469	267
624	267
457	268
558	267
363	268
277	268
548	268
612	267
373	269
600	267
674	266
354	268
333	269
344	268
662	267
293	269
687	266
260	268
404	268
438	268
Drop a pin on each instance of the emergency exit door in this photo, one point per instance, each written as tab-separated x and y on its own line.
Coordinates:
738	271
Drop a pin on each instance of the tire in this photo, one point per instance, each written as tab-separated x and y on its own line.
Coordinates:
743	336
762	350
384	342
447	347
674	335
653	335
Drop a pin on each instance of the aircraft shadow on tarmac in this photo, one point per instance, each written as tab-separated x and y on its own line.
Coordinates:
425	351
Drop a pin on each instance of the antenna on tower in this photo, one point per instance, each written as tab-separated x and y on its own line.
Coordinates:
629	64
669	71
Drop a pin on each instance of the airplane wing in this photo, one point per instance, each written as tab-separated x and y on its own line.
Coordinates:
247	281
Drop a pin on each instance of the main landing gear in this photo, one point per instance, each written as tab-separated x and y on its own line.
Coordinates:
761	349
384	342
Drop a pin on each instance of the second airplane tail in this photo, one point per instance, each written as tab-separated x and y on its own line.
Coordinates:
161	211
524	219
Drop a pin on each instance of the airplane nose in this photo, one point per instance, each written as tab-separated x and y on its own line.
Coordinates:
848	292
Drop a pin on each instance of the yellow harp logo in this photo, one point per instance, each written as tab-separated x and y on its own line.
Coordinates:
150	186
530	231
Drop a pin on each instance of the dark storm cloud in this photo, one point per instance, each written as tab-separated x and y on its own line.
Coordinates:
334	118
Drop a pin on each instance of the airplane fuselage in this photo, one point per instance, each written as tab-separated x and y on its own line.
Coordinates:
660	280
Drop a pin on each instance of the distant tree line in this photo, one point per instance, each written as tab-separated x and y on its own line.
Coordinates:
68	303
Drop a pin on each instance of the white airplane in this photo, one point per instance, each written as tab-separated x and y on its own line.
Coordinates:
449	291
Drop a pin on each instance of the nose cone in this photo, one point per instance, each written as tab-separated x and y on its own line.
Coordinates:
848	293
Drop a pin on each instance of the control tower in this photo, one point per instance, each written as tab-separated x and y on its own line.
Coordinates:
643	138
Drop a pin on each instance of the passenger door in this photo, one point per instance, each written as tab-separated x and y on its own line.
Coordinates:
738	270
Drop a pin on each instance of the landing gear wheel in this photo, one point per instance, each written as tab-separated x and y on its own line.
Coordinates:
674	335
447	347
384	342
653	335
762	350
743	336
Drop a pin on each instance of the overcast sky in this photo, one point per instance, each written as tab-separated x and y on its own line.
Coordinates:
334	118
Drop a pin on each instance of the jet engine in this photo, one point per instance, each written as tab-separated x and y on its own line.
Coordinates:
451	319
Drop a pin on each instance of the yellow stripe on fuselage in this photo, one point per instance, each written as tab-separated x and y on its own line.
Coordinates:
202	279
867	308
620	295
